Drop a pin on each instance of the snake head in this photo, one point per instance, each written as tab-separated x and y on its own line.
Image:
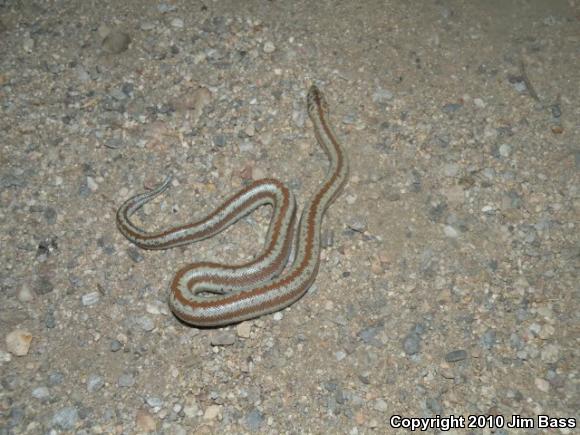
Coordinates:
316	100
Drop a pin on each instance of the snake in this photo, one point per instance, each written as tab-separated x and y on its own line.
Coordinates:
211	294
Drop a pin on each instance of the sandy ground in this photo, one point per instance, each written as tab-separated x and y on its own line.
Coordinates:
449	285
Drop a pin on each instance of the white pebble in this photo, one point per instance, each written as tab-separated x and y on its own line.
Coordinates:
542	385
450	231
90	298
269	47
177	23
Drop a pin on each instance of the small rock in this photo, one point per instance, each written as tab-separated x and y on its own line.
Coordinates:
451	170
368	335
254	420
18	342
154	402
450	232
358	224
412	344
25	294
550	353
546	332
95	383
5	357
269	47
116	42
381	405
126	380
505	150
116	345
456	355
65	418
223	338
177	23
90	298
278	316
146	323
542	385
41	393
212	412
479	103
340	355
244	329
145	422
451	107
382	96
219	140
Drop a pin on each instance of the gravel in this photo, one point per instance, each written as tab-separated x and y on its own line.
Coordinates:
449	269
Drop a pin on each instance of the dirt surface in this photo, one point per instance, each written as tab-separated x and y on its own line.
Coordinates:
449	285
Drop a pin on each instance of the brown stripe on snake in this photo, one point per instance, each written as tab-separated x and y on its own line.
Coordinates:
246	291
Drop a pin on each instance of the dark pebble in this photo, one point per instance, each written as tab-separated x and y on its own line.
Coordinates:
219	140
368	335
49	320
135	255
50	215
452	107
412	344
55	378
43	286
456	355
116	345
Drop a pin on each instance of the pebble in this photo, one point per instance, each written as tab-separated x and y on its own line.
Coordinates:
145	422
55	378
95	383
381	405
269	47
505	150
41	393
244	329
550	353
450	232
223	338
177	23
90	298
368	335
126	380
340	355
116	345
25	294
212	412
278	316
146	323
254	420
412	344
358	224
154	402
5	357
452	107
66	418
542	385
382	96
456	355
116	42
479	103
18	342
451	170
219	140
489	338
